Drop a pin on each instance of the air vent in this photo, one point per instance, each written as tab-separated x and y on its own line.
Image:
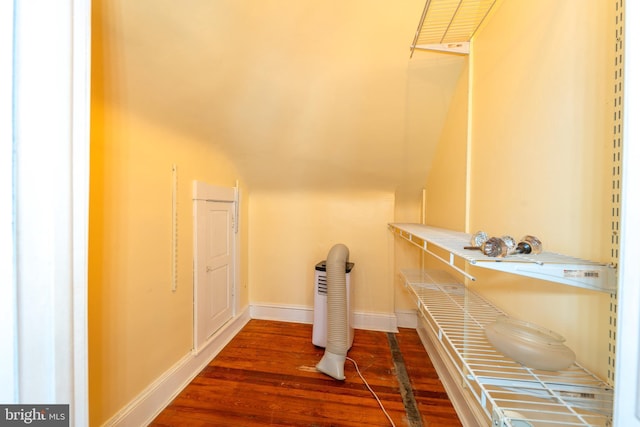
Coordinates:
322	285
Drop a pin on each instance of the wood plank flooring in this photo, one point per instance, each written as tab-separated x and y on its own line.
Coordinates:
266	377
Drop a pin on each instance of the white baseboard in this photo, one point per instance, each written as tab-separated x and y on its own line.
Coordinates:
385	322
407	319
282	313
148	404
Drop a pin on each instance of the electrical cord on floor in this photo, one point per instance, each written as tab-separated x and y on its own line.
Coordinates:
371	390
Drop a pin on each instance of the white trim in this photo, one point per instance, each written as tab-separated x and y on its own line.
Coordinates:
282	313
42	122
384	322
407	319
80	134
204	191
8	337
152	400
627	377
50	134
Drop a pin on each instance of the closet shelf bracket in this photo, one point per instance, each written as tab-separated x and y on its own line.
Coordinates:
449	25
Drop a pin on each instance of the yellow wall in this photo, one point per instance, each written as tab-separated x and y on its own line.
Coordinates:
291	232
436	84
447	181
138	327
264	93
538	157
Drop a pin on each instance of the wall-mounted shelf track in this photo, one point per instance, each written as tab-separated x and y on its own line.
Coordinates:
507	393
545	266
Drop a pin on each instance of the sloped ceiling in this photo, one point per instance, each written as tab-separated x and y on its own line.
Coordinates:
300	94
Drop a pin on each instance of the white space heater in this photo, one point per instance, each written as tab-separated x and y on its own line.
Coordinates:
320	304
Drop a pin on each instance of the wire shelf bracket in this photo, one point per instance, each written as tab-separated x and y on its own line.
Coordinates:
449	25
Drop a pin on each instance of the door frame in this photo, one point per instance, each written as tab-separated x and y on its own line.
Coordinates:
47	118
203	192
627	376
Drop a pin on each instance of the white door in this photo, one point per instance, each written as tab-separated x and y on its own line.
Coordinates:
214	268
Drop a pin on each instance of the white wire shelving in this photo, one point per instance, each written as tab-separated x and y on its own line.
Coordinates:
449	25
509	394
548	266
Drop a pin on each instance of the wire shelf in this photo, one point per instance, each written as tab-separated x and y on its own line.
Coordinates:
509	393
449	25
548	266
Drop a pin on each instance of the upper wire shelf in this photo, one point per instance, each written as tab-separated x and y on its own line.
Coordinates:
448	25
548	266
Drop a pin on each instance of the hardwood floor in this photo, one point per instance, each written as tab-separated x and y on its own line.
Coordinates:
266	376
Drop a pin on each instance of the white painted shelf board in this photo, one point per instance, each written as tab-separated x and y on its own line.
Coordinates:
502	387
548	266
